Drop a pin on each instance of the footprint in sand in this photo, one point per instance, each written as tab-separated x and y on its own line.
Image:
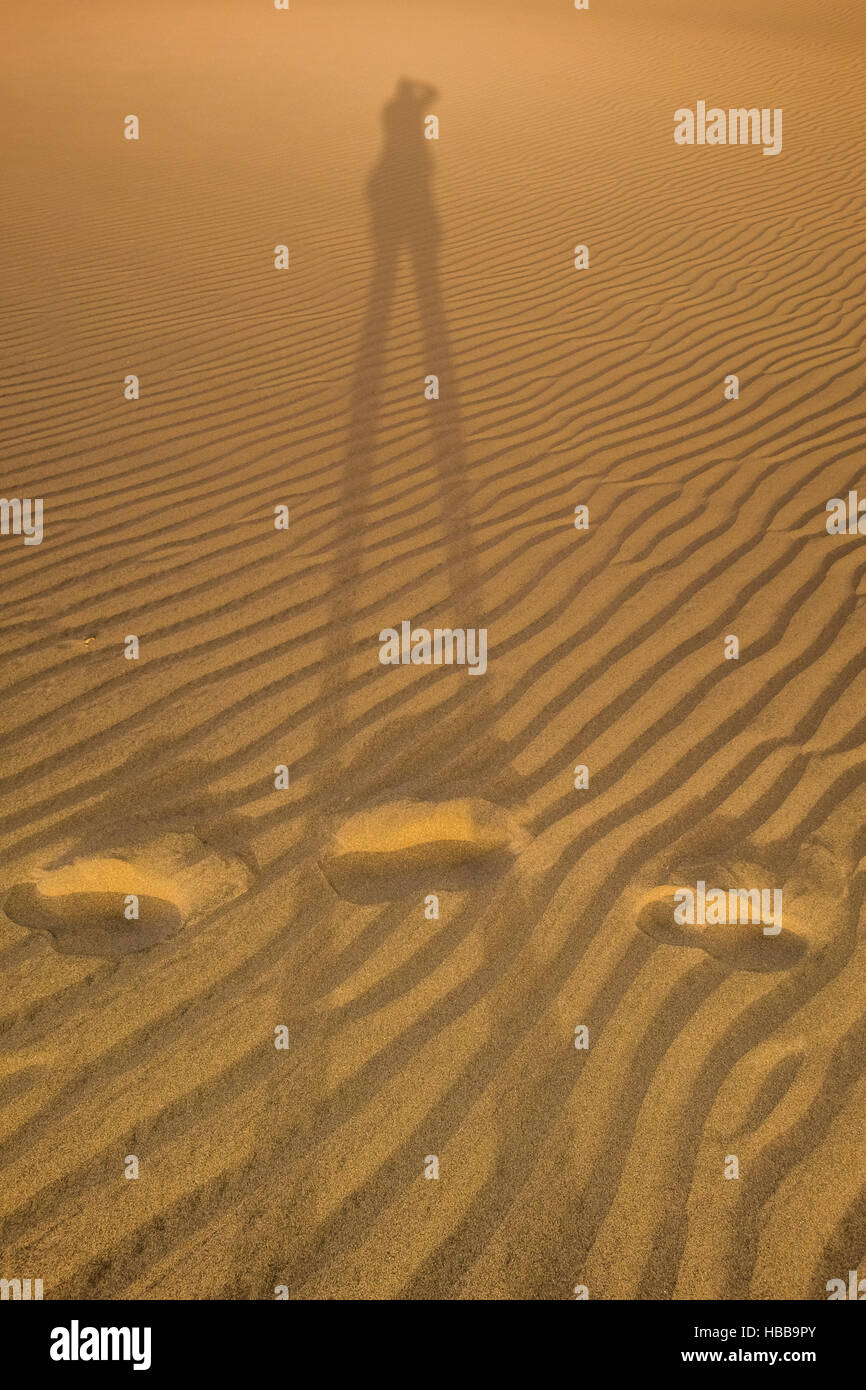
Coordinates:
815	907
82	904
408	846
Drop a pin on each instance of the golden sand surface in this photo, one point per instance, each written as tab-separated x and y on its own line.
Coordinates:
310	907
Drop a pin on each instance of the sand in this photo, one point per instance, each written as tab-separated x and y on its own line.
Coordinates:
381	955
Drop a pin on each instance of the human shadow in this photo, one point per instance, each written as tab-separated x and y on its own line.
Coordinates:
404	226
402	220
365	757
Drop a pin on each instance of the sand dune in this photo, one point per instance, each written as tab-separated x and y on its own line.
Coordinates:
301	903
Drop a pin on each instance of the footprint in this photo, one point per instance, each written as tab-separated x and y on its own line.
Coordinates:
741	947
82	904
407	846
816	905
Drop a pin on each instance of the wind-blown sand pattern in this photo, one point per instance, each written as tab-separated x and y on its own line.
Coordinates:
304	907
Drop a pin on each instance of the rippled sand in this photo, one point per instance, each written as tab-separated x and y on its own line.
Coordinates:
307	907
